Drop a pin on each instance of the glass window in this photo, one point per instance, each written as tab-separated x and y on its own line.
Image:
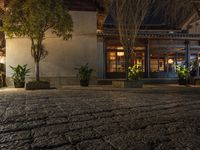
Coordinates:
111	62
120	62
115	62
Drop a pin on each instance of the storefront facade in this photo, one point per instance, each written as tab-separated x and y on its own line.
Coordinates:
158	53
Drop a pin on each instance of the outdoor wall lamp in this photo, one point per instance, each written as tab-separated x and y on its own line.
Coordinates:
170	61
2	59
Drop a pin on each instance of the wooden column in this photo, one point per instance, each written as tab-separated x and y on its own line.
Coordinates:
158	61
147	59
187	54
176	58
198	65
101	59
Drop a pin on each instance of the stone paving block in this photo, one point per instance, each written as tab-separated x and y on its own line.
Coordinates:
187	140
83	110
109	129
65	147
108	120
121	140
83	124
150	118
2	109
49	141
108	114
125	111
16	126
57	120
16	145
94	145
81	135
79	118
50	130
14	118
14	136
36	116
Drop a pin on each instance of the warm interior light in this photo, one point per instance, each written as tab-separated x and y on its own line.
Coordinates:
99	31
139	48
112	58
170	61
120	48
120	53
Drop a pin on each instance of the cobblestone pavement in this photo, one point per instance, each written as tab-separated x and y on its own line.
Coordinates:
152	118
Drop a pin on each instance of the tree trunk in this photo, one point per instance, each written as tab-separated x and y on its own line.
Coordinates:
126	63
37	71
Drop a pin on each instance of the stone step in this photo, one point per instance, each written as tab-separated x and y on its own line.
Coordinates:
145	80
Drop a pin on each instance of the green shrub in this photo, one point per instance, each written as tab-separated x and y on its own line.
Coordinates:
134	72
182	71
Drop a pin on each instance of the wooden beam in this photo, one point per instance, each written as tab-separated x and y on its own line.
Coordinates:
196	6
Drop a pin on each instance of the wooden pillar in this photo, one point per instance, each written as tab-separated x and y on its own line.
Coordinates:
101	59
158	61
176	58
167	57
147	59
187	54
198	65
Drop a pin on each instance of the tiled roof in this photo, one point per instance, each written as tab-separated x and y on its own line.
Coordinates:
157	19
155	34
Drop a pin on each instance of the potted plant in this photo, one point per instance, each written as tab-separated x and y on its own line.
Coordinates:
183	74
84	74
134	75
134	72
1	78
19	74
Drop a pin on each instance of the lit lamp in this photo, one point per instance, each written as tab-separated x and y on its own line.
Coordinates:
170	61
120	53
112	58
2	59
120	48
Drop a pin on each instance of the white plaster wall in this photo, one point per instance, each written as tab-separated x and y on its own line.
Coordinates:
63	55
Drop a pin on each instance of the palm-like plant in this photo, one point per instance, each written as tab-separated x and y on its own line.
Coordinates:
19	73
84	74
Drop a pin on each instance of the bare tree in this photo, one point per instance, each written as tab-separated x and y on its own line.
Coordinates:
129	15
178	10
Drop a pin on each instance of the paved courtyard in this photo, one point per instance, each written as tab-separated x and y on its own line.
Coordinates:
101	118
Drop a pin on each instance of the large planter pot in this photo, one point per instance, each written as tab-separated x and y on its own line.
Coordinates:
84	82
182	81
127	84
19	84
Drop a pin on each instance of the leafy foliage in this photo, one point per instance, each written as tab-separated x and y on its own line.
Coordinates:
19	73
32	19
193	68
84	72
182	71
134	72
